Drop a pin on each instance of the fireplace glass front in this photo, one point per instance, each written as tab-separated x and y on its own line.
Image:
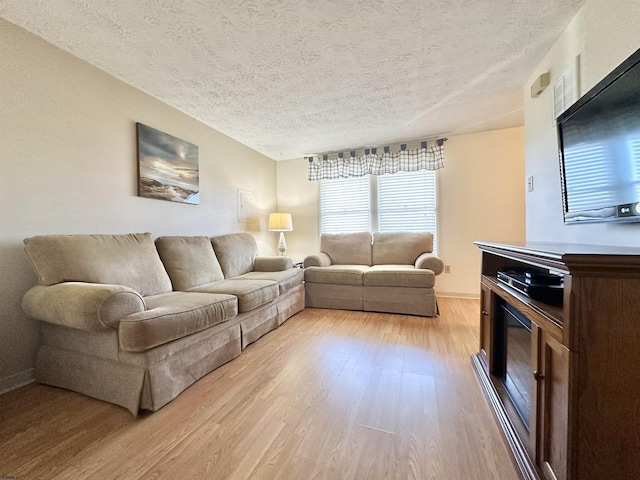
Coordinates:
516	375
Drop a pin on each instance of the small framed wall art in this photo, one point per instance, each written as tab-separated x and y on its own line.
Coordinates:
168	167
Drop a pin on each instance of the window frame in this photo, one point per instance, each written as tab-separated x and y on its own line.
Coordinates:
374	205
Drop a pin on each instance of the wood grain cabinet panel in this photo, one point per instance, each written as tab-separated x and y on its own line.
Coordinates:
551	378
486	324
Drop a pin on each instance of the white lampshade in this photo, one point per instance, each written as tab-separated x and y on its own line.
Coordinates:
280	222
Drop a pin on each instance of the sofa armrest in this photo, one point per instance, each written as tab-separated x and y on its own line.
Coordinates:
85	306
272	264
319	260
431	262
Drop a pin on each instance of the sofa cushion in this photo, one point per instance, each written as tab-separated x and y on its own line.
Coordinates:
347	248
174	315
286	279
400	247
236	253
251	293
336	274
189	261
399	276
130	260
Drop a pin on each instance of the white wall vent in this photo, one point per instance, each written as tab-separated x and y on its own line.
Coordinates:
566	89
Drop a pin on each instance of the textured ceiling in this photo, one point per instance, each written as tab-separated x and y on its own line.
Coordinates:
288	78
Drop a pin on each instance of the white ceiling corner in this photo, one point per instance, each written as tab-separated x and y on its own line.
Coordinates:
288	78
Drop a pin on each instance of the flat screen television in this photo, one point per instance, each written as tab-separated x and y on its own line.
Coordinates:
599	148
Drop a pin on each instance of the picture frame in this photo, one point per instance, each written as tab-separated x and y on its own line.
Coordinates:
168	167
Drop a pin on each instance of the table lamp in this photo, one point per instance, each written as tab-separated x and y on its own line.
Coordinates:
281	222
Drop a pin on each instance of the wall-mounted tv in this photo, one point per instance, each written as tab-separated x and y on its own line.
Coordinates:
599	147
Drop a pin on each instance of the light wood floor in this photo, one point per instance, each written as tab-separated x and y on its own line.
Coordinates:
329	395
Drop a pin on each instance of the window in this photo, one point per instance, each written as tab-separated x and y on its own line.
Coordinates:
407	201
344	205
400	201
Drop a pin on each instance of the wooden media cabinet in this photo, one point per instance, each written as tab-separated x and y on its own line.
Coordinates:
577	414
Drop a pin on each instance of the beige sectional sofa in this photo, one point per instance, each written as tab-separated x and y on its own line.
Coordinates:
390	272
135	322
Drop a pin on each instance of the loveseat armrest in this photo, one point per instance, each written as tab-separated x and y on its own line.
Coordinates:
431	262
272	264
319	260
85	306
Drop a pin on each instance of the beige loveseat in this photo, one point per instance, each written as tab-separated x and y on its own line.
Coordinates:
135	322
390	272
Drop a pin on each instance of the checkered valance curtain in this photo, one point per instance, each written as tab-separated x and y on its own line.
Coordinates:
424	158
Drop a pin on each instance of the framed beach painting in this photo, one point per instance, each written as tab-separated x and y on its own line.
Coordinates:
167	167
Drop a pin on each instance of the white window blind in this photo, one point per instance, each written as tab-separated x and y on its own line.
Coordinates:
407	201
344	205
403	201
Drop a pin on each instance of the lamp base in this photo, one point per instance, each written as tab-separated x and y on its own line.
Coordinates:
282	245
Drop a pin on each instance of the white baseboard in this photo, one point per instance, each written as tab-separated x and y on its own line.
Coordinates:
16	381
474	296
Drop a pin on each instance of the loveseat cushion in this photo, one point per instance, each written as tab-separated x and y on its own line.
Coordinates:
286	279
336	274
130	260
189	261
347	248
251	294
236	253
399	276
174	315
400	248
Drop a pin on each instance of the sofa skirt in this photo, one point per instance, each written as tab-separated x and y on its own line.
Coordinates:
254	325
261	321
90	362
402	300
165	380
96	377
339	297
291	303
146	380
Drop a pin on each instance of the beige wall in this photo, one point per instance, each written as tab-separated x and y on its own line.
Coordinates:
68	165
480	194
604	33
481	197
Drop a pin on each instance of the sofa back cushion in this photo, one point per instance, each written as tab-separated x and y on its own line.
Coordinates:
347	248
130	260
236	253
400	248
189	261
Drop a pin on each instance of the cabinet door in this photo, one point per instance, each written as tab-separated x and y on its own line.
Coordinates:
552	386
486	325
